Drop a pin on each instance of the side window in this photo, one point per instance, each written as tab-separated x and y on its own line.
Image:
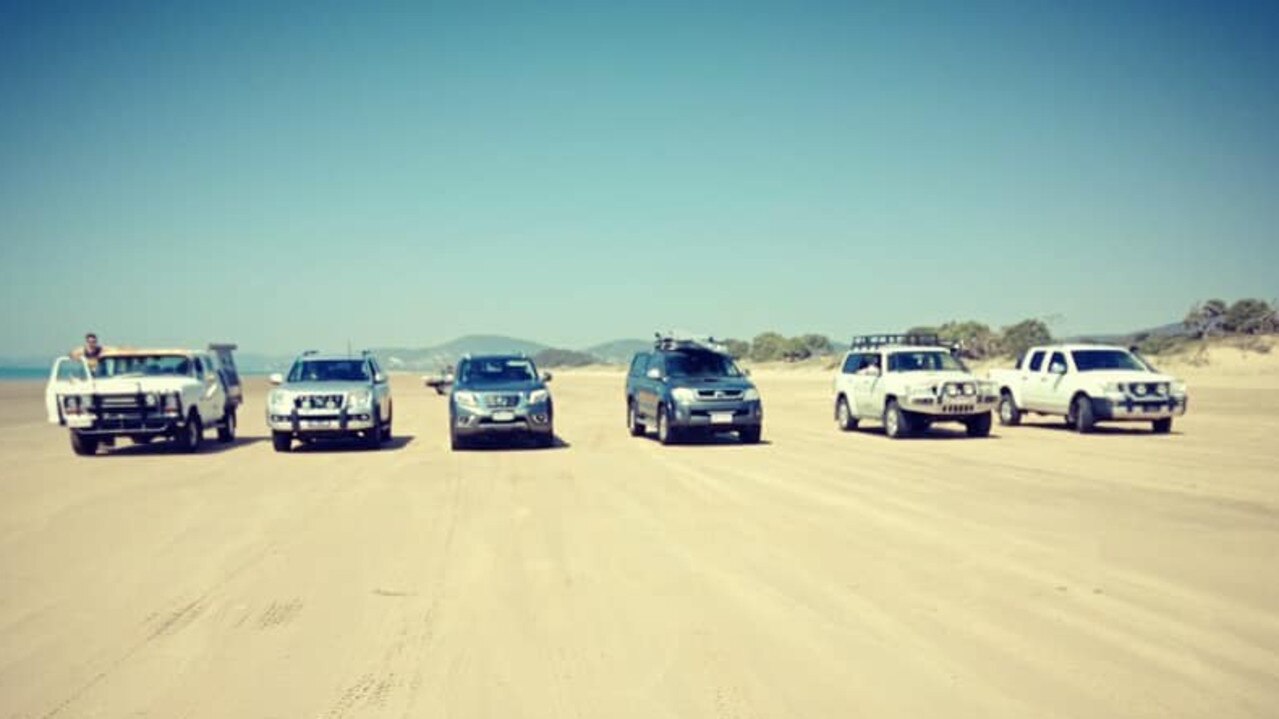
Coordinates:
639	365
852	363
199	367
1058	363
71	370
1036	361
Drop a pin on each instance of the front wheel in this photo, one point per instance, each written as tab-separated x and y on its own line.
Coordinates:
844	418
83	445
1084	420
1162	426
226	431
191	435
751	435
666	434
897	423
1009	412
979	426
545	440
633	425
373	435
282	441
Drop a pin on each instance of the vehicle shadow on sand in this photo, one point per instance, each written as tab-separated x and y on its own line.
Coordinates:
168	448
512	444
930	434
1135	429
710	440
323	446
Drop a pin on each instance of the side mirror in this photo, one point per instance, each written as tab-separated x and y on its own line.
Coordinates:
654	373
547	376
276	378
379	378
1057	369
746	372
874	371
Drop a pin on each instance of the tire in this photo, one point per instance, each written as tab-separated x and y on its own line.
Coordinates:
386	431
979	425
844	418
897	424
1081	414
750	435
373	435
83	446
282	441
1009	412
666	434
457	442
226	430
545	440
1161	426
633	425
191	435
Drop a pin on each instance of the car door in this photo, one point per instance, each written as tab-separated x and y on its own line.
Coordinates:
1055	398
868	388
212	398
648	393
66	376
381	390
1034	383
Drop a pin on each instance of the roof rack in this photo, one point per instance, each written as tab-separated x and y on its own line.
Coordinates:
670	341
908	340
310	353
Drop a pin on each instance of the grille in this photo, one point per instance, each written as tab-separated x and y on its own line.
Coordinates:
319	401
959	409
719	395
120	401
501	400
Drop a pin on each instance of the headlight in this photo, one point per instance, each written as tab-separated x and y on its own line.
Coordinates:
538	396
1179	388
466	399
952	390
1112	388
684	395
171	402
986	388
152	400
1161	389
1139	389
281	401
750	395
928	390
359	399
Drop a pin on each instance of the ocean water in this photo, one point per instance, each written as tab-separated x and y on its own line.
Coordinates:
23	373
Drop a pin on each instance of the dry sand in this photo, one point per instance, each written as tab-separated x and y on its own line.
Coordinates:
1034	574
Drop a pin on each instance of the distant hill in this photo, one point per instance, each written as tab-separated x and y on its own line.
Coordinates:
618	351
433	358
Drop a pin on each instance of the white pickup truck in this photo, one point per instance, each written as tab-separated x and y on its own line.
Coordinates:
144	394
1087	384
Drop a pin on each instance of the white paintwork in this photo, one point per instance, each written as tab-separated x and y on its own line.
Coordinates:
1044	391
868	393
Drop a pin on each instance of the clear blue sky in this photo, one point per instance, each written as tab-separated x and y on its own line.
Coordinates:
297	177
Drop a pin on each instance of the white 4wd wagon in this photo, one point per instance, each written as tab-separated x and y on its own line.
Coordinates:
909	382
145	394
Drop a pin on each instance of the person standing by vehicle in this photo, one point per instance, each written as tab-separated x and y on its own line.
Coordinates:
90	352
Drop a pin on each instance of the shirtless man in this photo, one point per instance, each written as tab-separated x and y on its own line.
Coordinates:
90	352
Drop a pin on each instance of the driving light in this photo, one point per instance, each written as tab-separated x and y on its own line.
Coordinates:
683	395
1139	389
152	400
750	395
466	399
538	396
952	390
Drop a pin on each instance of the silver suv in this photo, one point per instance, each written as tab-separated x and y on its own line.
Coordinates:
330	396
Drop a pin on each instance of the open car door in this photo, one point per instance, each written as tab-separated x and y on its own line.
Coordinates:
68	376
230	375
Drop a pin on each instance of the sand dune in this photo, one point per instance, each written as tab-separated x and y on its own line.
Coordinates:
1034	574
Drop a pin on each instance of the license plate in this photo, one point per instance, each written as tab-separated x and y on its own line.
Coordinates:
319	423
503	416
721	417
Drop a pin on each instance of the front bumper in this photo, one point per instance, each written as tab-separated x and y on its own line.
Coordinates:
726	416
527	418
332	424
1136	410
142	423
958	407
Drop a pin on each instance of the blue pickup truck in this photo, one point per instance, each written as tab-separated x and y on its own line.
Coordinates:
686	387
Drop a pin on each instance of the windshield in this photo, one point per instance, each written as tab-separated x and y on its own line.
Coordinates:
1095	360
700	364
344	370
496	371
934	361
143	366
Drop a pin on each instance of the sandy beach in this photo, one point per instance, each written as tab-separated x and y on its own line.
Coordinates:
1037	573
